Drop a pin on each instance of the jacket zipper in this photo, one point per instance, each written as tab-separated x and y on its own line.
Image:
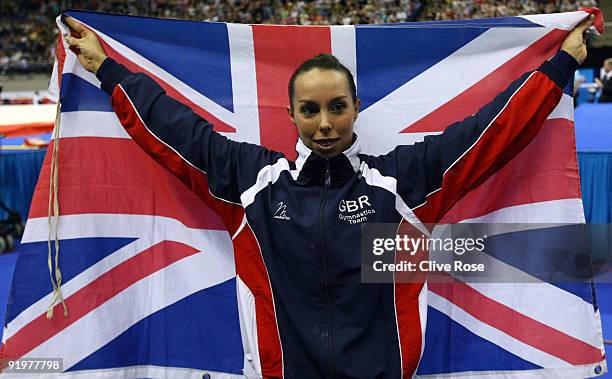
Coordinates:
326	184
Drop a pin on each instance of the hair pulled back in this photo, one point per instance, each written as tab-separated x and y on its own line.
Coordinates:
323	61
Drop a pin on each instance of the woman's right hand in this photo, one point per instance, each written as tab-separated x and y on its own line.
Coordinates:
575	42
84	43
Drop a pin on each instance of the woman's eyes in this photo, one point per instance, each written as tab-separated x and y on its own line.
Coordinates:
338	107
309	110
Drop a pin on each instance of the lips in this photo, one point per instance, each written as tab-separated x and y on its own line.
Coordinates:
326	143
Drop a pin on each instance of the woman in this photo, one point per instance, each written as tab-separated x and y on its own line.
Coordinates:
296	225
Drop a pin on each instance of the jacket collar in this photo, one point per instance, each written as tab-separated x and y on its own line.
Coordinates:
311	167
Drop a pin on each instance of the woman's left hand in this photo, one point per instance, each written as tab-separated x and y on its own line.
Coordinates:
84	43
575	42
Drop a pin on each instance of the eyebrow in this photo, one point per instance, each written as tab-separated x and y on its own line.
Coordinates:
331	101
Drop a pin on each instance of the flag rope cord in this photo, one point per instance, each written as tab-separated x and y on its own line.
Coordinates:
53	222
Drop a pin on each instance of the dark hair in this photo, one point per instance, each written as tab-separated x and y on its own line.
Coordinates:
324	62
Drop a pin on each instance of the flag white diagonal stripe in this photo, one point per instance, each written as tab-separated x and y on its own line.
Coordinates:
489	333
564	21
211	242
114	317
439	84
195	96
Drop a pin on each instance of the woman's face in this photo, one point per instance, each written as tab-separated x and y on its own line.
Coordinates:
324	111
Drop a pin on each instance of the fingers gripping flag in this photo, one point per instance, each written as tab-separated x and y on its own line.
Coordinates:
148	272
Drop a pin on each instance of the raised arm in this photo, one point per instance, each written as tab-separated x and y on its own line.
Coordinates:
169	131
436	173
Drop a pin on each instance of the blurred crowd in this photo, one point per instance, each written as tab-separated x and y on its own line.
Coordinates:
455	10
28	33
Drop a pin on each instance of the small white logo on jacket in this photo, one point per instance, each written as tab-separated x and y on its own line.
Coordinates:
281	212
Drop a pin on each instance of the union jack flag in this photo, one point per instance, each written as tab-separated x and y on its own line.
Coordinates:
148	274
